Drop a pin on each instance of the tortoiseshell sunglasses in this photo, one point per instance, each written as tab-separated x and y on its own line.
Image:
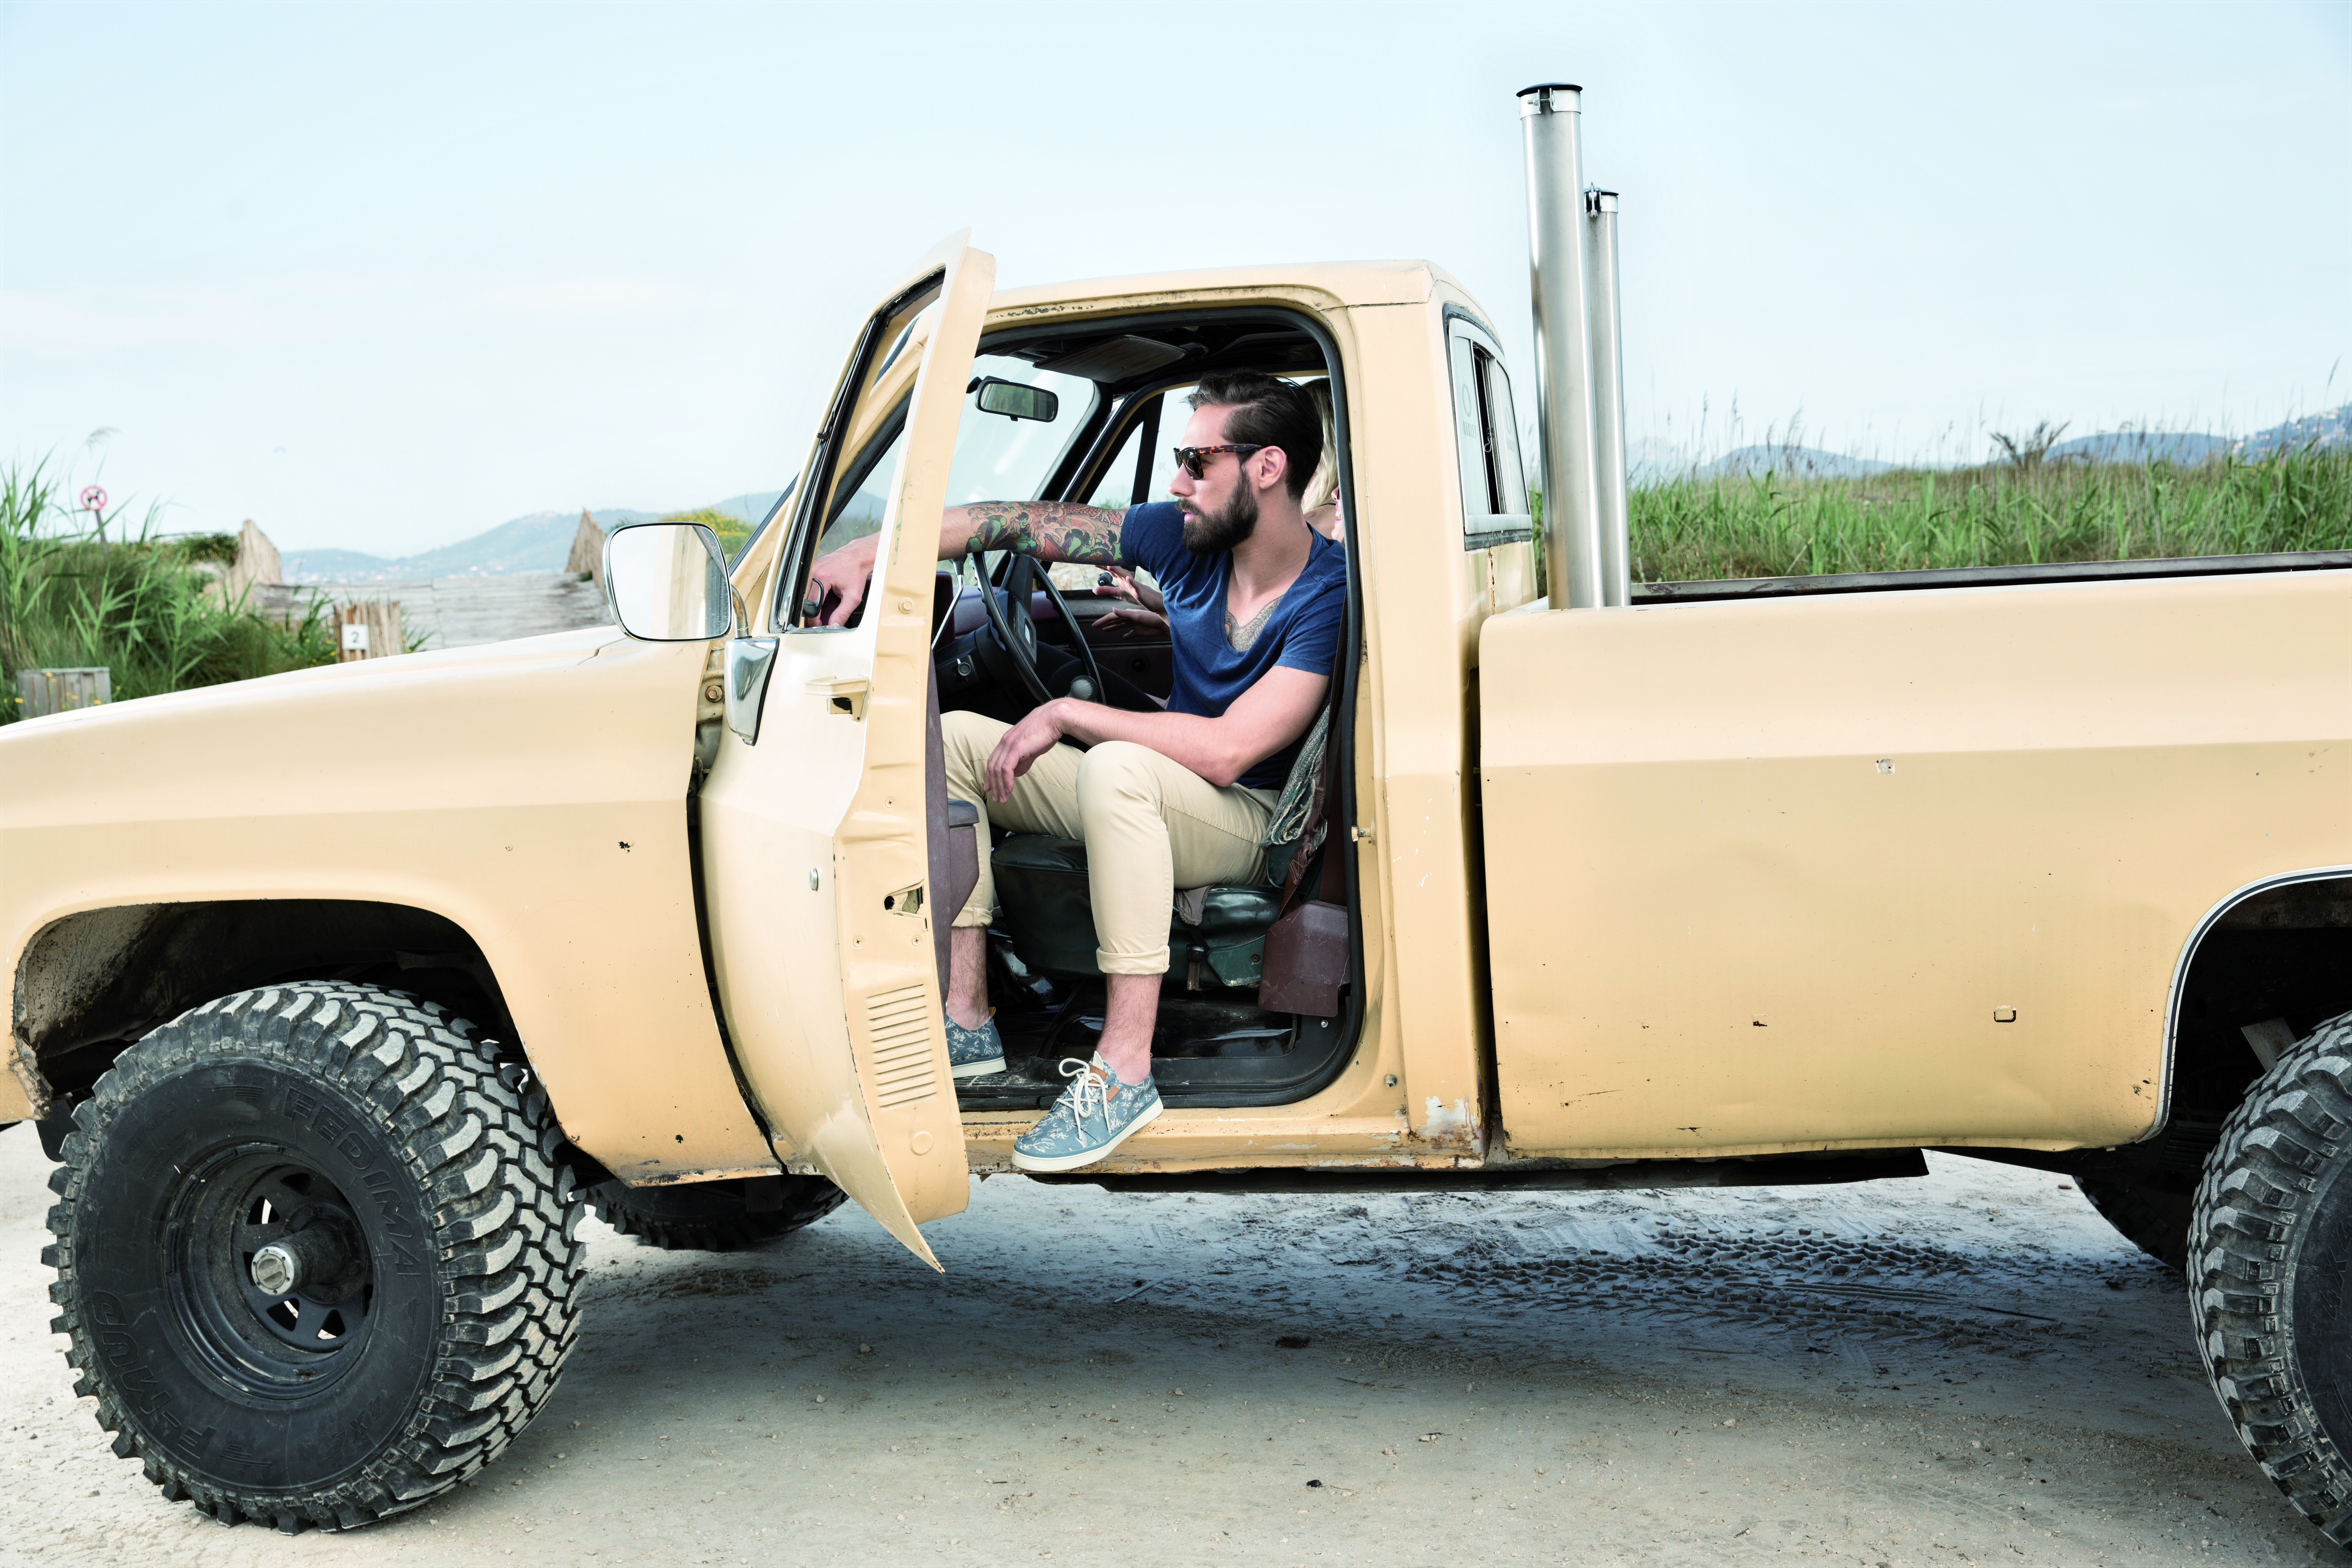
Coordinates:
1194	460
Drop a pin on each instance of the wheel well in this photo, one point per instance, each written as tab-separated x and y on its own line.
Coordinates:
2281	953
90	984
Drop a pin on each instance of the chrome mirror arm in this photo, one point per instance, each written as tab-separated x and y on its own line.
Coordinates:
748	660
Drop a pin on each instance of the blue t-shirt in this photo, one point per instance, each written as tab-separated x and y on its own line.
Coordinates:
1303	633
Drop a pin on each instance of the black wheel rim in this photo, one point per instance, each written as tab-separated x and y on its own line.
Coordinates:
281	1344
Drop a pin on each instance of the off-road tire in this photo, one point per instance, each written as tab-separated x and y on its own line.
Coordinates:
362	1116
2270	1273
2154	1221
713	1217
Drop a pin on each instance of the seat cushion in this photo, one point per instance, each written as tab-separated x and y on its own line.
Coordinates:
1040	885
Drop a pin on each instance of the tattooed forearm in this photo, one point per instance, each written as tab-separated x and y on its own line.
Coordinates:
1052	529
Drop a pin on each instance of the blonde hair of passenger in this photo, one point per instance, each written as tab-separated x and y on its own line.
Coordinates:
1320	500
1323	484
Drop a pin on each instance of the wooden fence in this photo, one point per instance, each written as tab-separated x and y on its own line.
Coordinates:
43	691
369	629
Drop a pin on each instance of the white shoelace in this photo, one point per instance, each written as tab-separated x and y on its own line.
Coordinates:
1090	1086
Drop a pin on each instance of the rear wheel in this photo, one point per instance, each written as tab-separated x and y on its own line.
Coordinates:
2271	1267
314	1256
715	1216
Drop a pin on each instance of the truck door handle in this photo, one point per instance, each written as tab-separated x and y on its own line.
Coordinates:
845	695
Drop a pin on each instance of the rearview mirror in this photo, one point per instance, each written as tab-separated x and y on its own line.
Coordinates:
1015	401
666	581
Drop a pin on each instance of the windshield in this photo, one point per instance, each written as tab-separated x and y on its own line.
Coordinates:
997	458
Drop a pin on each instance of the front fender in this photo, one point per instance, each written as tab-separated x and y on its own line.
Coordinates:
532	792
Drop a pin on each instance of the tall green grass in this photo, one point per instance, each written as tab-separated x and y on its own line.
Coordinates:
2007	515
76	596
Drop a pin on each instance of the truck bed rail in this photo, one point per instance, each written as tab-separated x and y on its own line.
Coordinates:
1988	576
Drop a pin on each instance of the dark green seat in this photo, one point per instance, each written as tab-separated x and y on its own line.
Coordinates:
1040	885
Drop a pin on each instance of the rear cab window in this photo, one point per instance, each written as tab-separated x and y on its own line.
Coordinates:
1486	439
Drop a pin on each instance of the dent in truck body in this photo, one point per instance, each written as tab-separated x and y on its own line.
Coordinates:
489	788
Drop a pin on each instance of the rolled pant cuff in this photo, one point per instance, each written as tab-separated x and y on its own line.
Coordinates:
1131	963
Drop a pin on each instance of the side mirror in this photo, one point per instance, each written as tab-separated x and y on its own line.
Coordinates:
1014	401
666	581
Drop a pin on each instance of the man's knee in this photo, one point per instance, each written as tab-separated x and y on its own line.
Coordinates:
967	738
1118	771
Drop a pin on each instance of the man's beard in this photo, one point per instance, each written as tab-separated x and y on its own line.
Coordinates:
1207	535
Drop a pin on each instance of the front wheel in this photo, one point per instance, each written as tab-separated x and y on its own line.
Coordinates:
314	1255
2270	1250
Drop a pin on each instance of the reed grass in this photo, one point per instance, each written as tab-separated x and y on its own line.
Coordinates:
133	600
2007	515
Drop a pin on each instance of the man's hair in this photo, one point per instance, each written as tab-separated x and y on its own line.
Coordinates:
1268	412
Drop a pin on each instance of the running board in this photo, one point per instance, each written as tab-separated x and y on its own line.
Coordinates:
1532	1176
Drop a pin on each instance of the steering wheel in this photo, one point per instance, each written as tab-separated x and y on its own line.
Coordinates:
1013	629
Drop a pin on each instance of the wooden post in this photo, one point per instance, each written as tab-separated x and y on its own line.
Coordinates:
258	567
587	557
44	691
370	628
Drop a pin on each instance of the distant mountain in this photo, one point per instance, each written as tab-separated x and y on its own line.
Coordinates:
537	543
1791	462
2139	447
1650	462
2332	428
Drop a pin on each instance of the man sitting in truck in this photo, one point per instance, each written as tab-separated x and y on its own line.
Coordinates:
1256	600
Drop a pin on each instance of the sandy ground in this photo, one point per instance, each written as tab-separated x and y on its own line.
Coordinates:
1969	1368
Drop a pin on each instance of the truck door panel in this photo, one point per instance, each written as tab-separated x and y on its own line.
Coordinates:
816	850
1772	875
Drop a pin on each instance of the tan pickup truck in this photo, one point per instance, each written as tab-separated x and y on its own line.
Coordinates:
339	994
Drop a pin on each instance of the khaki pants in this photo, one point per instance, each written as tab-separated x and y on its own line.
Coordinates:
1151	826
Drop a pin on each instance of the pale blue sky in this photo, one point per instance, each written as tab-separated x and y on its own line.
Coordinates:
382	276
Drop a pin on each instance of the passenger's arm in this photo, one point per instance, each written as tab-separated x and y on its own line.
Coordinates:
1261	722
1123	586
1049	529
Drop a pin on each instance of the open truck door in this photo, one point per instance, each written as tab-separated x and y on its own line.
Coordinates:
814	849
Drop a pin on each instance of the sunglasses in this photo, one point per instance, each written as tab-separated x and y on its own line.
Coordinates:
1194	460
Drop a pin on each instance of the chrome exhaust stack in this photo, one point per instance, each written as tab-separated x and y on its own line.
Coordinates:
1614	520
1580	385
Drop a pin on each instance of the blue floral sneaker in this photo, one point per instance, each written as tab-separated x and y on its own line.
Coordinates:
974	1053
1094	1116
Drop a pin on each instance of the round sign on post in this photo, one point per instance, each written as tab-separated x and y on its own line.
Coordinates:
93	498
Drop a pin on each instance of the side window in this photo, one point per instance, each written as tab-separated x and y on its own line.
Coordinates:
1116	486
855	446
1486	439
871	476
1510	481
1174	411
1141	471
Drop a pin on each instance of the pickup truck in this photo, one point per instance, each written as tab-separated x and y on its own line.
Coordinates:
340	996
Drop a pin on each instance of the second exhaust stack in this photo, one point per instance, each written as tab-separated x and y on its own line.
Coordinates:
1572	275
